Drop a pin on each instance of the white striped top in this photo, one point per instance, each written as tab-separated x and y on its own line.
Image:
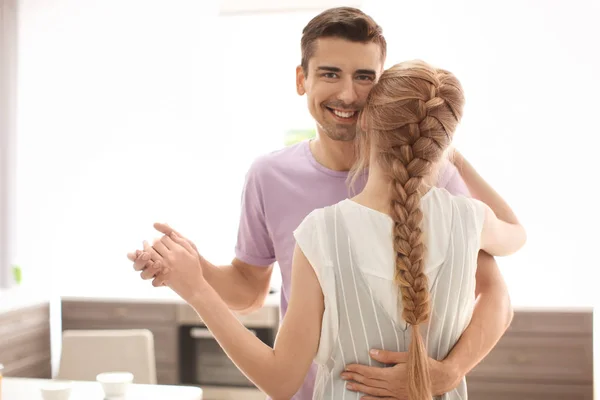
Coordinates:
452	229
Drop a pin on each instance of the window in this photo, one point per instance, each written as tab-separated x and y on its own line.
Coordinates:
132	112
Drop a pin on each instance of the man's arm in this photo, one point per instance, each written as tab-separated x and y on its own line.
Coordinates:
492	315
242	286
493	312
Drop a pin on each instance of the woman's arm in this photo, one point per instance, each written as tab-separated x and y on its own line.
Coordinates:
278	372
500	238
502	232
481	190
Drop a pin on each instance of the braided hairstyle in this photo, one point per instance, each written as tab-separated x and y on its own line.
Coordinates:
410	118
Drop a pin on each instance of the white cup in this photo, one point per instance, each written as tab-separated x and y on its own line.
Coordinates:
114	384
56	390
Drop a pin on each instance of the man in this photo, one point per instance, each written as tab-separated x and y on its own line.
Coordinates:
343	53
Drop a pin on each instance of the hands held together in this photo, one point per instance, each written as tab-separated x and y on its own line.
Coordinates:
171	261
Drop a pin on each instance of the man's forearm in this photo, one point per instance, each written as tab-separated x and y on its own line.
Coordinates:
491	317
237	290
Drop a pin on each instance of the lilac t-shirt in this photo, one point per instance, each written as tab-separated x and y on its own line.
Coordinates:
281	189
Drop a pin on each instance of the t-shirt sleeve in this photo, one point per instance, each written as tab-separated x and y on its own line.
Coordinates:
451	180
254	245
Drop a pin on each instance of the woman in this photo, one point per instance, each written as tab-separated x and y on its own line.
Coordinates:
399	244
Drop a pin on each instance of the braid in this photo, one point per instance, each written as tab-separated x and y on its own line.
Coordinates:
408	244
411	115
406	176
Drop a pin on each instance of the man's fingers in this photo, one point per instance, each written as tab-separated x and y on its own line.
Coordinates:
139	258
160	248
168	242
152	269
132	256
152	253
167	230
352	376
160	279
382	398
183	242
368	372
164	228
389	357
141	262
359	387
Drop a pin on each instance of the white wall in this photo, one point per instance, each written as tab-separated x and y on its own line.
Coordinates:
133	112
530	72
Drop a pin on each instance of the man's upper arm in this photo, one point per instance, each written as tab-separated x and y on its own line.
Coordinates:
254	245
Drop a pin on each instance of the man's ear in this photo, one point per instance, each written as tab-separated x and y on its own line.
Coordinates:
300	81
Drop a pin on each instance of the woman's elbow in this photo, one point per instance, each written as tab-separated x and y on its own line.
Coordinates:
510	313
282	397
522	237
283	393
283	388
516	241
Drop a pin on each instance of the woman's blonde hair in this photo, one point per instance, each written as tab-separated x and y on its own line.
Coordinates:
410	117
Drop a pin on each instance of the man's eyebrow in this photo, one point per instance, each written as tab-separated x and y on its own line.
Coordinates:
336	69
366	72
328	68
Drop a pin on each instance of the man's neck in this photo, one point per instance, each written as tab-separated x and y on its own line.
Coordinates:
333	154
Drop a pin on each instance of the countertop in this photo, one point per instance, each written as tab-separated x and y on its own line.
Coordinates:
25	297
150	295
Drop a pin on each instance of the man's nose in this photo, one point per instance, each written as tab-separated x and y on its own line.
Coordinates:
347	92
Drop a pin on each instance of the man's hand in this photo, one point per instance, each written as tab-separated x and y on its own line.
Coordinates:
141	258
180	267
391	383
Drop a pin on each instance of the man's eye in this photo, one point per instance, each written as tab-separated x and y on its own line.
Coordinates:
330	75
365	77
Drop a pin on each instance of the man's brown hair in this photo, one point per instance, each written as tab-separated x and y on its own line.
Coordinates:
341	22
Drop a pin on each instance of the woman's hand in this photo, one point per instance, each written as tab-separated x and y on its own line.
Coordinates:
179	265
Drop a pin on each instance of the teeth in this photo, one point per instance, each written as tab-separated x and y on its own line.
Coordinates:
343	114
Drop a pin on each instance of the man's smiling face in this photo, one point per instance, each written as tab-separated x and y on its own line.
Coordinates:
340	75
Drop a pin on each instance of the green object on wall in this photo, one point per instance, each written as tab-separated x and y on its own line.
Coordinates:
294	136
17	273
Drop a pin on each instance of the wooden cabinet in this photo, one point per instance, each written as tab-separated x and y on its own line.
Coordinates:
159	318
25	342
543	355
528	391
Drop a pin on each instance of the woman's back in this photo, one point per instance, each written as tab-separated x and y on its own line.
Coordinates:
350	247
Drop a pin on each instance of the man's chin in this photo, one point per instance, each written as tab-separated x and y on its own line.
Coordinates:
341	134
